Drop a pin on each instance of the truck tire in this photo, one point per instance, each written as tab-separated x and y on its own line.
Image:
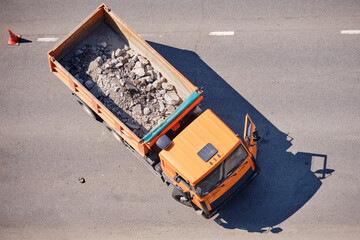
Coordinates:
178	195
87	109
115	134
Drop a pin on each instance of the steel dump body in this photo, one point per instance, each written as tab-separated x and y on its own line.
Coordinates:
120	31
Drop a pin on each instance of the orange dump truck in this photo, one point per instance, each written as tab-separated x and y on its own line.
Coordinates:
192	150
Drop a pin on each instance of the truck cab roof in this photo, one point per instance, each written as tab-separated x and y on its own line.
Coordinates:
200	147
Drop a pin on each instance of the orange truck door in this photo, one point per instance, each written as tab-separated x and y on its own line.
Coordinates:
250	135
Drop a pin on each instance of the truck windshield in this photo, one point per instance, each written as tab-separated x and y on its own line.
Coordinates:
219	174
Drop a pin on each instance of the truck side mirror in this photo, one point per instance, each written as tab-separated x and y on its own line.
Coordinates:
163	142
256	136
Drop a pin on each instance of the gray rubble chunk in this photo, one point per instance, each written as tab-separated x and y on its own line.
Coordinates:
146	79
163	79
171	98
131	53
149	87
167	86
132	126
89	84
139	65
93	69
161	106
122	60
122	82
118	52
99	60
78	52
137	81
135	57
129	85
170	109
102	44
127	66
157	84
149	68
148	96
143	60
118	65
140	72
126	56
158	74
152	74
81	80
147	111
95	91
136	110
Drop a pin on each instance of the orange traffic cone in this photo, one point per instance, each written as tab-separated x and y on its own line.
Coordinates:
13	39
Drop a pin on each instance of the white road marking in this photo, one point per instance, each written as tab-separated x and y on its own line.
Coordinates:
47	39
350	31
146	34
224	33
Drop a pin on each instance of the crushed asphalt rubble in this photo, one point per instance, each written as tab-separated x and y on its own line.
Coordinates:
126	83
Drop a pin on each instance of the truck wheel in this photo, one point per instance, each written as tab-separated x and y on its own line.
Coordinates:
87	109
115	134
179	196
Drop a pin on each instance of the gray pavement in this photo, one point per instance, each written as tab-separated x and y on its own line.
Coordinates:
287	65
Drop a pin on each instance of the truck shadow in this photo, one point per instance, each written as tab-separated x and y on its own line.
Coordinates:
286	182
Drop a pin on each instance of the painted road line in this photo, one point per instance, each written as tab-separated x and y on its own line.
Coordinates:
144	35
224	33
350	31
47	39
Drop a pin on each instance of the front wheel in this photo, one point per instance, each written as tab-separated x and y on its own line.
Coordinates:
178	195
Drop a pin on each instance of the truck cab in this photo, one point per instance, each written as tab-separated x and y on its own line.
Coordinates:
207	162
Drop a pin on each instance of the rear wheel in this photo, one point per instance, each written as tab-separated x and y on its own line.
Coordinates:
178	195
115	134
87	109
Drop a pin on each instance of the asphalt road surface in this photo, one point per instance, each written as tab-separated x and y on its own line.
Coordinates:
289	64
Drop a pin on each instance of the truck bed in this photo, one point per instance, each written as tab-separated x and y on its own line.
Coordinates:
105	31
105	64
